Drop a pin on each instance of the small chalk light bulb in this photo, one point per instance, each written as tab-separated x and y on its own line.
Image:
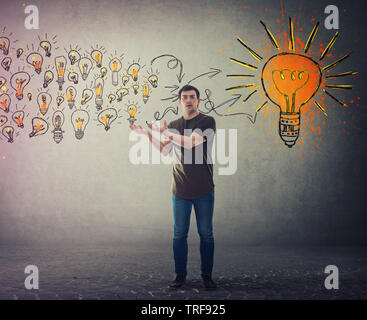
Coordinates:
44	100
4	45
46	45
115	66
79	120
97	57
8	133
5	102
58	119
18	82
98	88
18	117
60	63
70	96
35	60
39	127
106	117
47	78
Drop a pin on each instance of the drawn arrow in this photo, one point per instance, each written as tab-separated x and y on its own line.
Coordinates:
210	74
173	98
174	88
172	64
158	117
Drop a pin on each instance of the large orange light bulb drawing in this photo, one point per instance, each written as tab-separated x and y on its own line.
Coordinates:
290	80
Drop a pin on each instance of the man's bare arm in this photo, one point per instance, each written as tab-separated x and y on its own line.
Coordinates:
188	142
164	147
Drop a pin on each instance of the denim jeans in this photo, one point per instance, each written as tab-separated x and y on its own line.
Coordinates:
204	208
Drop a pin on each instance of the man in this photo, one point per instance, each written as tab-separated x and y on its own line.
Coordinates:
191	138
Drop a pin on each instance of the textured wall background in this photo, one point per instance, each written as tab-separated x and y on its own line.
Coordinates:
88	191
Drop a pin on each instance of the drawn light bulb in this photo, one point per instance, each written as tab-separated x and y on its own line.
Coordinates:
2	81
136	88
35	60
74	56
80	120
18	82
18	117
97	57
145	93
98	89
60	63
5	102
44	100
59	100
125	79
4	45
29	96
73	77
6	63
107	116
85	65
58	120
133	71
115	66
132	111
111	98
290	81
70	96
8	133
47	78
46	45
121	93
153	80
87	94
19	52
103	72
3	120
39	127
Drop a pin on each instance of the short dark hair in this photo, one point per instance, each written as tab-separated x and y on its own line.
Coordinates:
188	88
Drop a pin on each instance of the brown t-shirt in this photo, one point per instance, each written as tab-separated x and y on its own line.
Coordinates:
193	168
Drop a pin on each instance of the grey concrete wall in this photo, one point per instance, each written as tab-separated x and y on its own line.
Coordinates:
88	190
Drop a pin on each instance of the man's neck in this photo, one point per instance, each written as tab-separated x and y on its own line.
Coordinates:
188	116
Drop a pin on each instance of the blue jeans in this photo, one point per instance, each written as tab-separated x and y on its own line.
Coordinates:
204	208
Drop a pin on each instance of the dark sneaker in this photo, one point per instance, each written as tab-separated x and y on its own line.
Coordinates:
208	283
178	282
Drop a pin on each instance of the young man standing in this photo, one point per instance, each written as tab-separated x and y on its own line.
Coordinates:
191	138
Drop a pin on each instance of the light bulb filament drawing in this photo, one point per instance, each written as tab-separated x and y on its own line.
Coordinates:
288	82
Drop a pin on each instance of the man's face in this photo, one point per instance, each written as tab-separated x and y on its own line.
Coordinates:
189	101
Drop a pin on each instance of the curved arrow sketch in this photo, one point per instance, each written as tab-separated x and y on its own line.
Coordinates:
158	117
172	64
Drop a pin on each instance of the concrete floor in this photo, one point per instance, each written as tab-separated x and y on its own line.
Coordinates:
126	272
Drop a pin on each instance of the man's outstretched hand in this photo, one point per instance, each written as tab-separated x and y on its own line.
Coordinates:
154	127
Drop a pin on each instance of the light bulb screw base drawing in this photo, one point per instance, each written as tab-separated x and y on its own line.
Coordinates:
79	134
289	125
60	81
71	104
58	135
131	120
19	96
99	103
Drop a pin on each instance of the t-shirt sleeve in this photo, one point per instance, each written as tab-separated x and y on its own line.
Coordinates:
207	128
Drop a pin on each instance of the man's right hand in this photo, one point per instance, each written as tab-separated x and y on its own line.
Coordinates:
155	127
